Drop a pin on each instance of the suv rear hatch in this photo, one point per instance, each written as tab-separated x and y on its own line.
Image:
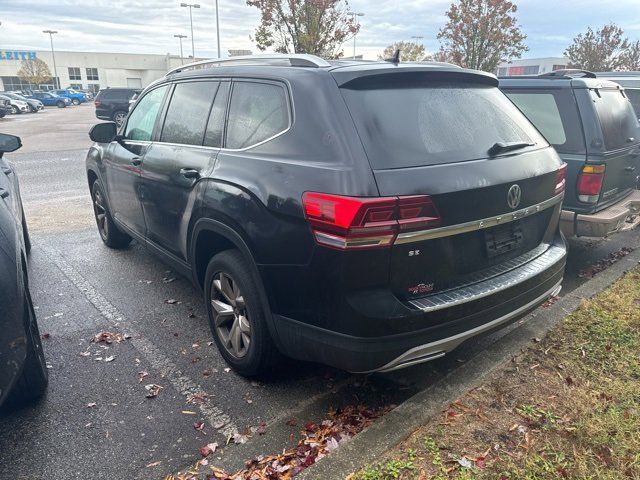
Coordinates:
614	150
452	135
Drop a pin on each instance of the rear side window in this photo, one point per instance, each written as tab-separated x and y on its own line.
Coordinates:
257	112
187	113
618	120
634	98
555	114
143	118
418	123
215	125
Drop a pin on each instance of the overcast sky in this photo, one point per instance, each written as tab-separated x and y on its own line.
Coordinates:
148	26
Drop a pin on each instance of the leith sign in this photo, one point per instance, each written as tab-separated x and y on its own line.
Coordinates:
6	55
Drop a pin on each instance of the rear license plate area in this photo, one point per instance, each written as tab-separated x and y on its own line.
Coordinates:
503	238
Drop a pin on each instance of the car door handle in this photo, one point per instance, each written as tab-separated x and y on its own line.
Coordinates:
4	193
189	173
136	161
6	170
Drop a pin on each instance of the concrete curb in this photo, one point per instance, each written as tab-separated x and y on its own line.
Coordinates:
373	443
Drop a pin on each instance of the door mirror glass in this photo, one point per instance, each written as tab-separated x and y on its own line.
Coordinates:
9	143
103	132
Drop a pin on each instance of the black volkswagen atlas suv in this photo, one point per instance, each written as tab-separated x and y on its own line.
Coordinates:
366	215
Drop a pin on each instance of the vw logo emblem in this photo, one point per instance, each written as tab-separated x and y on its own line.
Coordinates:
514	196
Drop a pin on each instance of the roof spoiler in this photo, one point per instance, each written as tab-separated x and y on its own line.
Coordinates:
569	73
393	75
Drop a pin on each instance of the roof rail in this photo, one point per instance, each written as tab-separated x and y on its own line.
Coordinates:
275	59
569	72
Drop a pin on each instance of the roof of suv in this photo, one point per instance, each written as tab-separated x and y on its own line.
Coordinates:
344	71
558	79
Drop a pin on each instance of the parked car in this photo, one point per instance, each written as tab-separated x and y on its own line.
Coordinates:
76	97
34	105
113	103
50	99
5	106
593	127
631	83
23	370
369	216
17	106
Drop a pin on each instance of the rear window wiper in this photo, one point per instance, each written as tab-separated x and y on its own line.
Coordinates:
501	147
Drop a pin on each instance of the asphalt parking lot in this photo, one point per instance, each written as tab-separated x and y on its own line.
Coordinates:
96	420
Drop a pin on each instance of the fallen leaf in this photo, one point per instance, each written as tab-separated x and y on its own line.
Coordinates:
154	464
110	358
46	336
188	412
141	376
208	449
153	390
91	405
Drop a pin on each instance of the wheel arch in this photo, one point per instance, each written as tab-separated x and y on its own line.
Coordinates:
210	237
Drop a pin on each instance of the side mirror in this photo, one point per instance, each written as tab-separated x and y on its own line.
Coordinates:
9	143
104	132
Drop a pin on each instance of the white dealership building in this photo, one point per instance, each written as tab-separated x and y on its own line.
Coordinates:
88	70
532	66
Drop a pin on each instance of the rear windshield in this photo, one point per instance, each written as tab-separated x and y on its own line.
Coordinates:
428	123
619	123
555	114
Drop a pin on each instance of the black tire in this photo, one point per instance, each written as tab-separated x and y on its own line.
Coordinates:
61	104
32	383
75	101
119	117
261	353
111	235
25	233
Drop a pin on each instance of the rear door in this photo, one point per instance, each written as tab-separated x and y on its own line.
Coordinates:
434	137
617	146
188	143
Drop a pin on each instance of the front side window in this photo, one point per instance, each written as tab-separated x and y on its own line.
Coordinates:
257	112
187	113
74	73
618	120
92	74
143	118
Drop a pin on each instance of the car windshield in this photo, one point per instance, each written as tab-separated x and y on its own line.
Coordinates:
427	123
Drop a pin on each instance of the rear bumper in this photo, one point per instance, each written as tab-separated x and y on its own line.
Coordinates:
623	215
469	311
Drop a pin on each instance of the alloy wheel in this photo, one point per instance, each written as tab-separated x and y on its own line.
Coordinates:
100	211
230	315
119	118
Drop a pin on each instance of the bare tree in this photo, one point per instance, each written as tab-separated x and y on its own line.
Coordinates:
481	34
409	51
602	50
304	26
34	71
631	57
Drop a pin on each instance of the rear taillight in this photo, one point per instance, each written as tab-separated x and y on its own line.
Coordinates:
590	183
97	103
356	223
561	179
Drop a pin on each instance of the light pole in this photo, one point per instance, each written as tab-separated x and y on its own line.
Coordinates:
191	5
218	28
55	69
181	56
353	17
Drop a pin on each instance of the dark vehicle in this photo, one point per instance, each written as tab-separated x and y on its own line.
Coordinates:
23	370
113	103
5	106
368	216
34	105
631	83
593	127
50	99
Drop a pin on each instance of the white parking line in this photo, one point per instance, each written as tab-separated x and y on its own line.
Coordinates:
182	383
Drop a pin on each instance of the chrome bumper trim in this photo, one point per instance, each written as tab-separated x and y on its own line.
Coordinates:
437	349
494	282
477	224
